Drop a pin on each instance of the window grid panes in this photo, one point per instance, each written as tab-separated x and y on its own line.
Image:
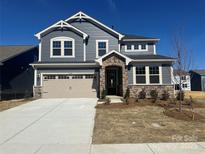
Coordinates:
154	74
77	77
102	47
68	48
140	75
56	48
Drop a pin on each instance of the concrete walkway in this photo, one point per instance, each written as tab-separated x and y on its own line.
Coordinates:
48	126
151	148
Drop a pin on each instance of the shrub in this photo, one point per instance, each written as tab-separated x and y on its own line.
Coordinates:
165	95
142	94
107	101
154	95
182	95
103	94
127	94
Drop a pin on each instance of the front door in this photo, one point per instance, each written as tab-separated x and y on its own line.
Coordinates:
111	81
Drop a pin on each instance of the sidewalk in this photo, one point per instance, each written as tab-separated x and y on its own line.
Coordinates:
150	148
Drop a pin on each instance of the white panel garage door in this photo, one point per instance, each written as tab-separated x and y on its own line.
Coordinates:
69	86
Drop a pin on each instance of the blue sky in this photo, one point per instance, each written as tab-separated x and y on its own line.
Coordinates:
20	20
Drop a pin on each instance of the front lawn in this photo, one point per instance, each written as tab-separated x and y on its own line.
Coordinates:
5	105
145	123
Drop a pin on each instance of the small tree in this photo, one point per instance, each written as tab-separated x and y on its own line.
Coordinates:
142	94
183	63
103	94
165	95
127	93
154	95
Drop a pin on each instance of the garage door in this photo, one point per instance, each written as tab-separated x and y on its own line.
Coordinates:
69	86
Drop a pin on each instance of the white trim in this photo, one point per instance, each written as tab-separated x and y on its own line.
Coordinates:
62	39
160	74
136	50
84	50
35	77
147	74
75	73
97	48
154	49
61	24
65	64
155	40
82	15
119	47
127	59
134	75
41	80
153	60
39	51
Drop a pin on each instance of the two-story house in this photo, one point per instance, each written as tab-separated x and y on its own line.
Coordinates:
185	80
82	57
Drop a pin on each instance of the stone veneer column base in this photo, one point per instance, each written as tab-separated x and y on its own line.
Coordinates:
135	89
37	92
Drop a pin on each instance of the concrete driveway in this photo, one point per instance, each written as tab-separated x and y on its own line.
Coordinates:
48	126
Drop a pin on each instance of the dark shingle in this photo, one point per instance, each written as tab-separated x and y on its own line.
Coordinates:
9	51
135	57
201	72
130	36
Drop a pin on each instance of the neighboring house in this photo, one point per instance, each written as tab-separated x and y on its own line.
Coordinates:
185	80
82	57
197	80
16	75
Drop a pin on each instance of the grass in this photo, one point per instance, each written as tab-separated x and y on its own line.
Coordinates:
200	95
147	123
5	105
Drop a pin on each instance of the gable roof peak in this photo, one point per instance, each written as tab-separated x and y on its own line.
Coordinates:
61	24
82	15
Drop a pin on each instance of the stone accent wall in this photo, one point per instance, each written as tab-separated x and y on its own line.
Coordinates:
135	89
37	92
114	60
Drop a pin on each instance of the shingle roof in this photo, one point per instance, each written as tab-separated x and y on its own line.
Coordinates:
135	57
131	36
9	51
201	72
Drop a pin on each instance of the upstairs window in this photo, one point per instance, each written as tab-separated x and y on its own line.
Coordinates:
140	75
62	47
136	47
68	48
56	48
101	47
154	74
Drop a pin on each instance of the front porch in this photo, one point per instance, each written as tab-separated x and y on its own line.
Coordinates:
113	74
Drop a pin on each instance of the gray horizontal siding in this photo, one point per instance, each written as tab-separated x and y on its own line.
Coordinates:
166	74
45	43
95	33
150	49
130	75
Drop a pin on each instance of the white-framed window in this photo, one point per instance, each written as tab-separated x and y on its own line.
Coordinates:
147	75
154	74
77	77
185	85
140	75
62	47
101	47
136	47
183	77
